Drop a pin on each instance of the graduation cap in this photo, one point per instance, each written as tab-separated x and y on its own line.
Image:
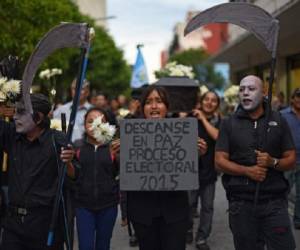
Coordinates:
182	92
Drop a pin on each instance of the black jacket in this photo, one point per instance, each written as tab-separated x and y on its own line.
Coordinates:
96	186
240	136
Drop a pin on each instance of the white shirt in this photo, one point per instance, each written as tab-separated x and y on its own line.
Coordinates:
78	129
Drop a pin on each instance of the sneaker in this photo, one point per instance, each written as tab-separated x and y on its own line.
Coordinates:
189	237
133	241
202	245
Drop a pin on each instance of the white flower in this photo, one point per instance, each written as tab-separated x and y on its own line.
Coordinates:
13	87
55	124
55	71
3	80
102	131
45	74
203	89
231	95
2	97
123	112
174	69
9	89
48	73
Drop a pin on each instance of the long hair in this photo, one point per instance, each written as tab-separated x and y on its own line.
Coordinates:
161	92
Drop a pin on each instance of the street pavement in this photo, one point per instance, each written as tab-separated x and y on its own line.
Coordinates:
220	239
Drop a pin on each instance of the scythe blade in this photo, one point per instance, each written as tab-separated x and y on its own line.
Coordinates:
65	35
248	16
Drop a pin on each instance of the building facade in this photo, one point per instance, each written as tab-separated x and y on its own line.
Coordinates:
247	55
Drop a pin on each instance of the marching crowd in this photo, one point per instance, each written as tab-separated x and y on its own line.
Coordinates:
256	159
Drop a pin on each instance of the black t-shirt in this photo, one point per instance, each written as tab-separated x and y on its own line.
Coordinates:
240	136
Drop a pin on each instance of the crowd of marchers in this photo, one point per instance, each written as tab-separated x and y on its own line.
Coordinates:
256	150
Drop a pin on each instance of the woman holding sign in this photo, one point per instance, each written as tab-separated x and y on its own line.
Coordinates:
160	218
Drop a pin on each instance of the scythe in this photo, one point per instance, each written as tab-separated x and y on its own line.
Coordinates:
257	21
65	35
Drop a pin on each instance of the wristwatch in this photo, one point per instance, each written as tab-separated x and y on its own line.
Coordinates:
275	162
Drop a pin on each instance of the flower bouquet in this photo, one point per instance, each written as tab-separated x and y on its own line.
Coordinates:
231	96
102	131
173	69
9	90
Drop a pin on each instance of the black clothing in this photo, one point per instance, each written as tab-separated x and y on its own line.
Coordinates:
266	221
207	172
33	171
240	136
144	206
271	225
30	232
97	187
33	177
160	235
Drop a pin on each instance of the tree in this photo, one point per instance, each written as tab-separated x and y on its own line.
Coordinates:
205	73
23	23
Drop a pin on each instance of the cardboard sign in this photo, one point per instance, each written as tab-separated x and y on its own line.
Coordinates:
159	154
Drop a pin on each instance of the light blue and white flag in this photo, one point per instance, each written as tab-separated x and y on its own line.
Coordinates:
139	75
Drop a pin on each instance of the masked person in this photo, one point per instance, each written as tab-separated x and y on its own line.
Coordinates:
34	151
248	156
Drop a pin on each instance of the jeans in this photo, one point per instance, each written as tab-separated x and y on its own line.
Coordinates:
207	197
95	227
269	224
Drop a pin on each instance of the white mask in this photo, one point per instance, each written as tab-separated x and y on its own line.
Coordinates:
250	93
23	120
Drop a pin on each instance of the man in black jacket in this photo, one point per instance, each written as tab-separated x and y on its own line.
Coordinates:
247	157
32	149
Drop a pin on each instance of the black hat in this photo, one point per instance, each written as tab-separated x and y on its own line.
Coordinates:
40	103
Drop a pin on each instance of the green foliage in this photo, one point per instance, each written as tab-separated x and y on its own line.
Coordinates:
24	22
189	57
205	73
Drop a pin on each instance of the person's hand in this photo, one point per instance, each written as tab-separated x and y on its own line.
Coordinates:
115	147
6	111
202	146
124	222
67	154
256	173
263	159
198	114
